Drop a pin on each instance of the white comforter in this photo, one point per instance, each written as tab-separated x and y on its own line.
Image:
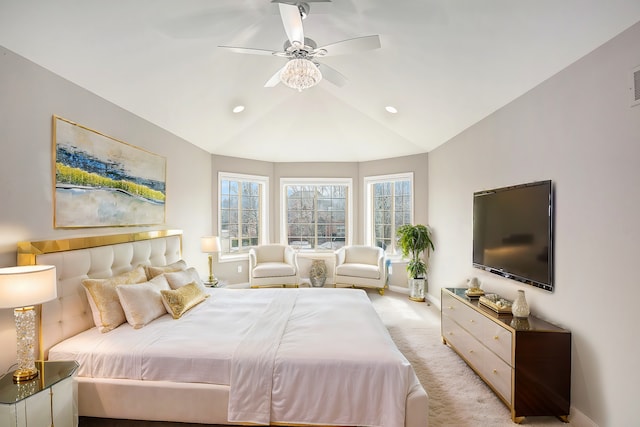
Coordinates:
294	356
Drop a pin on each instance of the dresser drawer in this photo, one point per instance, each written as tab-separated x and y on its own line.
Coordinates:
461	313
451	306
498	374
464	343
499	340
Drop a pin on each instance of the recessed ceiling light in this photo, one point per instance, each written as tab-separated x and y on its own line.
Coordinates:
391	109
238	109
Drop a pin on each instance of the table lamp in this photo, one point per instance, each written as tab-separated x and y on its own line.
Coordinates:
210	245
22	288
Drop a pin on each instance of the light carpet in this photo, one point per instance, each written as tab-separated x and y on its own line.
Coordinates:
457	396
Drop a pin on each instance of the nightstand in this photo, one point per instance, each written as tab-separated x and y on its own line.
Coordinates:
50	399
218	284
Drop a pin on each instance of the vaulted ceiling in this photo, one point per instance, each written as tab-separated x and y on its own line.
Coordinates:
444	65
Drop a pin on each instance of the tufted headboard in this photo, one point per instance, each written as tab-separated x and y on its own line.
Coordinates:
90	257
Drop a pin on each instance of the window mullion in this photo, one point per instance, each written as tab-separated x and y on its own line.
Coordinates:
239	208
393	217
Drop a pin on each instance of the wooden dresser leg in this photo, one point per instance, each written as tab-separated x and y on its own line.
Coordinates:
564	418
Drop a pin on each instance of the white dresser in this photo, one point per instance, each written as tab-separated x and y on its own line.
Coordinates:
527	362
50	399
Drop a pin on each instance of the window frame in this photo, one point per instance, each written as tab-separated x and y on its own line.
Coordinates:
285	182
369	222
263	234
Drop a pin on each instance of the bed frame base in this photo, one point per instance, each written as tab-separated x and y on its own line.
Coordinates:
181	402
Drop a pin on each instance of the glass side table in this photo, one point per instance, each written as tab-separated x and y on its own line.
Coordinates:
50	399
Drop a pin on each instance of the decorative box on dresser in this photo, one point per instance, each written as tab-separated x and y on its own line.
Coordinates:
527	362
48	400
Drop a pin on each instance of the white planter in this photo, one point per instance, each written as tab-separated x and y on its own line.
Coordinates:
417	289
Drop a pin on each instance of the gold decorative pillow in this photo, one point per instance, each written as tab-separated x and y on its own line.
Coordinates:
153	271
104	301
179	301
142	302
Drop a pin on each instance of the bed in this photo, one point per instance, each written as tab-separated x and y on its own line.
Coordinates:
298	356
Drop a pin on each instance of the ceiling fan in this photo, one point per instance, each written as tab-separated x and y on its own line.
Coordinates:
302	69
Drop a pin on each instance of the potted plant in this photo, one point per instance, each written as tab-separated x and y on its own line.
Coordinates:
414	240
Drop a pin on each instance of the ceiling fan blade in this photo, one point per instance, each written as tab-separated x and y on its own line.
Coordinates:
275	79
332	75
248	50
292	22
352	45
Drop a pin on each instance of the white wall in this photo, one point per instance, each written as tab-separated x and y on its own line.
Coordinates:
579	130
29	96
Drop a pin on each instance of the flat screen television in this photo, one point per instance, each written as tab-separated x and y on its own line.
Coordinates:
513	233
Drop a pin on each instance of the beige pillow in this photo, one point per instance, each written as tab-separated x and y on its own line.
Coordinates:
178	279
179	301
153	271
142	302
104	301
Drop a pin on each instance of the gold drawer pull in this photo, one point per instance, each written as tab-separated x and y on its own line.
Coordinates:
450	333
450	307
471	351
496	337
495	371
473	321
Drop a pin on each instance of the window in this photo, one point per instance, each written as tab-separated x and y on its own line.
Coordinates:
243	203
318	213
389	204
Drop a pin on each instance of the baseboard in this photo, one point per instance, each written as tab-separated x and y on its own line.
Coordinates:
579	419
399	289
433	301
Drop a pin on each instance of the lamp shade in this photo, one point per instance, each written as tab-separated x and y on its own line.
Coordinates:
210	244
27	285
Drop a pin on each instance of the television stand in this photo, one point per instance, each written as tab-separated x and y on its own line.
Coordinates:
526	362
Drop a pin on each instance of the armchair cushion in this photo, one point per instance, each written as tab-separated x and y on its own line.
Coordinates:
270	269
359	270
361	255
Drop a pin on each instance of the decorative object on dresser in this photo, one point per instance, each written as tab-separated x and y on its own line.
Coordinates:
525	361
496	303
414	241
22	288
520	306
473	288
210	245
50	400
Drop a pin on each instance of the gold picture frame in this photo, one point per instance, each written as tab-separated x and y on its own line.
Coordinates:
100	181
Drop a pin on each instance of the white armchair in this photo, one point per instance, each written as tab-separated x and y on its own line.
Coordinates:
360	266
272	265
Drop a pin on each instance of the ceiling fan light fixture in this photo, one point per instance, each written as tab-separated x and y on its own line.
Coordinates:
300	74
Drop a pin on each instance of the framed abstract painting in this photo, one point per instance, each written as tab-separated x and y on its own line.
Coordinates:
103	182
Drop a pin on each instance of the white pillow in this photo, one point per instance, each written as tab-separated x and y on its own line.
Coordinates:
103	298
178	279
142	302
153	271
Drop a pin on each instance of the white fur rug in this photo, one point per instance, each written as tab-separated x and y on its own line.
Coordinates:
457	396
